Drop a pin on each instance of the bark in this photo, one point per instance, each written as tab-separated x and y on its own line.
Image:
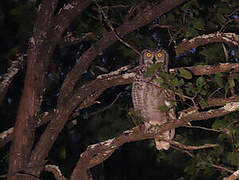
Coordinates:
47	34
125	75
109	38
30	101
234	176
210	69
67	102
7	79
41	46
97	153
229	38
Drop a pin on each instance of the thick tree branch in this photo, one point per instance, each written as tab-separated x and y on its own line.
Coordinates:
99	152
41	47
210	69
125	75
230	38
33	88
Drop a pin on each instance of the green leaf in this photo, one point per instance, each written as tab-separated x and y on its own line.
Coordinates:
173	103
151	70
219	82
164	75
175	82
231	83
199	81
185	73
163	108
159	81
218	75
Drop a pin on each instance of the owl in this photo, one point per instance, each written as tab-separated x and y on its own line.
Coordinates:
148	96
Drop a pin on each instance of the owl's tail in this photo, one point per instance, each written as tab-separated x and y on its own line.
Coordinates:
164	144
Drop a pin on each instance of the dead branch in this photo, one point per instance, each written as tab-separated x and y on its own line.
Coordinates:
229	38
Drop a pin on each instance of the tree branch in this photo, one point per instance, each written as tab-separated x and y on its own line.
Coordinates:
109	38
234	176
230	38
124	75
7	78
210	69
99	152
56	171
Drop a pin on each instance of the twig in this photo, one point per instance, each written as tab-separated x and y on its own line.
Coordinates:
210	95
207	129
182	146
105	108
221	167
114	31
183	151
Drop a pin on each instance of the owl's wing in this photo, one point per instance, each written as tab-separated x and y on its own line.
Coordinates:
171	97
138	95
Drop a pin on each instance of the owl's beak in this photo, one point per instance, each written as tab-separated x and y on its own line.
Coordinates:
154	59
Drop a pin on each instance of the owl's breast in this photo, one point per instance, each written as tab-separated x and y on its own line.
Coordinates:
154	97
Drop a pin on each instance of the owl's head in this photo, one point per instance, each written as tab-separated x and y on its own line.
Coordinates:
150	57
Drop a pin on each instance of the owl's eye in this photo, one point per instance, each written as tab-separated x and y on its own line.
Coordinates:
159	55
148	55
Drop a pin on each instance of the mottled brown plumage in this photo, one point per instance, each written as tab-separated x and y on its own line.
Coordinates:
148	96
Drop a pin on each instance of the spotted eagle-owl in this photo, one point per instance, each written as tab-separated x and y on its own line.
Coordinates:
148	96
